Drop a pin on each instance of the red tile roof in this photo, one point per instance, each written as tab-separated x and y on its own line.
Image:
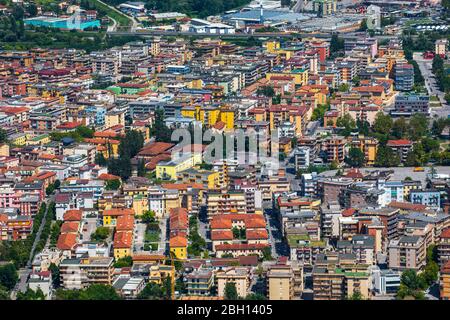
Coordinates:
178	241
73	215
66	241
445	234
398	143
118	212
260	234
217	235
407	206
348	212
123	239
241	246
155	148
108	176
125	222
70	227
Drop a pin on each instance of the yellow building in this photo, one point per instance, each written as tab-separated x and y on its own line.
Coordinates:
272	46
227	117
18	139
140	205
300	76
4	150
169	170
110	216
123	244
368	146
38	140
209	179
114	118
178	246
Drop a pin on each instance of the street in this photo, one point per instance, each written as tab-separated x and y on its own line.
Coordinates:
24	273
278	246
425	66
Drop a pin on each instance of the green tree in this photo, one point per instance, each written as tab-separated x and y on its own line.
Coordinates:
100	159
54	269
4	294
100	234
30	294
418	126
400	128
124	262
152	291
344	87
386	157
363	25
8	276
99	292
266	91
336	44
356	296
411	285
347	123
319	112
383	123
267	254
50	189
230	291
355	158
141	168
255	296
3	135
112	184
159	130
148	216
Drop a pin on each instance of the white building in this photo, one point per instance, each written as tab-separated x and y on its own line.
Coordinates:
204	26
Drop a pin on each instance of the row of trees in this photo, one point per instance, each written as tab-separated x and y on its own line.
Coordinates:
49	37
197	243
11	30
78	134
384	128
18	252
413	284
442	77
93	292
201	8
46	230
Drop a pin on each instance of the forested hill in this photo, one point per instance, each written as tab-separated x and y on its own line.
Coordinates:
200	8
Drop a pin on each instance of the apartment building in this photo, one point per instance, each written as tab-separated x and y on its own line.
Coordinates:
240	276
334	147
338	277
407	252
218	203
199	282
401	146
445	281
80	273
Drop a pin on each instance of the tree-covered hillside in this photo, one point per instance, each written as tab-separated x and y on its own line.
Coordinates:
200	8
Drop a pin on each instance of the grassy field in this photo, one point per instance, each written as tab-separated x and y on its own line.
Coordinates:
122	20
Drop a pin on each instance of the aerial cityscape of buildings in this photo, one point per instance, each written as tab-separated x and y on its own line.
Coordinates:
313	164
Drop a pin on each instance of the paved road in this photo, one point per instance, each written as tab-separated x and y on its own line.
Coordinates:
399	173
24	273
114	25
133	25
164	233
425	66
146	32
139	236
